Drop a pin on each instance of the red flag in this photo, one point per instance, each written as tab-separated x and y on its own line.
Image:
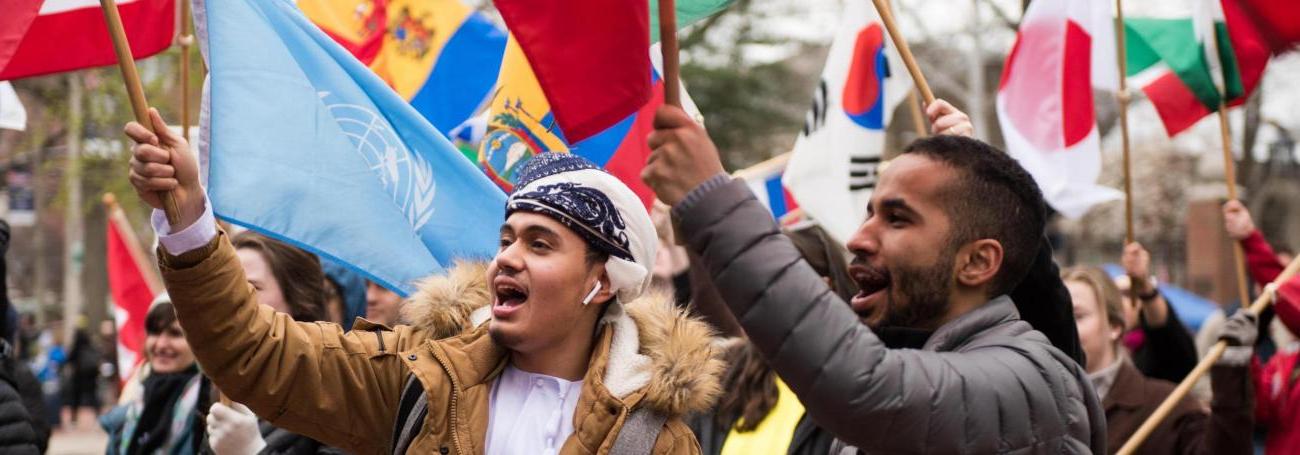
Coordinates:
1277	20
71	34
588	56
13	25
133	285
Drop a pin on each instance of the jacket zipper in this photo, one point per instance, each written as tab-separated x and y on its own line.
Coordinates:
455	394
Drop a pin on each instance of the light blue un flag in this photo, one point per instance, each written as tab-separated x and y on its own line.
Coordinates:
307	145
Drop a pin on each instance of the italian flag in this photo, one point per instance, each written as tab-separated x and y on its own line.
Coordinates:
1187	67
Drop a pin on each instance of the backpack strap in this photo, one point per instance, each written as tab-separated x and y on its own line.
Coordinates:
639	432
411	411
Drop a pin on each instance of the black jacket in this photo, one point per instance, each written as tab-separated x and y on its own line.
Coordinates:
282	442
808	438
1168	352
1044	302
17	434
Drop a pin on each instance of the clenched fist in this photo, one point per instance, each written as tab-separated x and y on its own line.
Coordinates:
1236	220
946	119
683	156
161	161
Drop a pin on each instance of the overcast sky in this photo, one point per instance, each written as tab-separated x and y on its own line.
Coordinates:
948	21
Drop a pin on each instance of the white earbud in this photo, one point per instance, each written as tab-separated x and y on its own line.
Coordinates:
592	294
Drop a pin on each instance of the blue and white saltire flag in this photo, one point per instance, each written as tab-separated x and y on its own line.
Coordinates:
304	143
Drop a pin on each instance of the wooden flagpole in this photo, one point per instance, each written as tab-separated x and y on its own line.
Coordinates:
1161	412
887	17
668	46
134	89
1123	97
1230	177
1121	55
918	117
186	40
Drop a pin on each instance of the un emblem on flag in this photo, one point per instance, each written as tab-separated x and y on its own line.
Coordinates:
406	176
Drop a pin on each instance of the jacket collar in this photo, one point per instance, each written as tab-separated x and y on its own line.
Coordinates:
475	359
1127	391
647	350
958	331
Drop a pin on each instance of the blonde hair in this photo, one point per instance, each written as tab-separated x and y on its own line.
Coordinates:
1107	293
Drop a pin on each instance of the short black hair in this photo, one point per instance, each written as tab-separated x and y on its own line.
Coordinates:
595	255
159	318
993	198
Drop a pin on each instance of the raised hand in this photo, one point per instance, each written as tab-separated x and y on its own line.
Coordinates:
161	161
683	156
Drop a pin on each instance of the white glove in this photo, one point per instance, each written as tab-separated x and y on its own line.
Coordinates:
232	430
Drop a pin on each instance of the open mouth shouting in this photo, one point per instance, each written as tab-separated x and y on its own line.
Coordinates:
510	296
873	289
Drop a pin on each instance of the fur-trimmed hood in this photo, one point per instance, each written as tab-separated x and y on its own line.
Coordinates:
656	345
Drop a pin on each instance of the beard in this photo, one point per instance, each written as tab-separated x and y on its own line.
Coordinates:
918	296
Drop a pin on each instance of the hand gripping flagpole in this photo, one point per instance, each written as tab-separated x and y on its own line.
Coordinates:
887	17
1211	48
134	90
668	46
1123	97
1261	303
1230	177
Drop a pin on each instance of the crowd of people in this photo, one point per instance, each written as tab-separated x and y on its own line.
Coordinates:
943	326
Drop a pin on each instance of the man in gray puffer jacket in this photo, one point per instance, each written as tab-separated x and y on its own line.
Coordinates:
943	363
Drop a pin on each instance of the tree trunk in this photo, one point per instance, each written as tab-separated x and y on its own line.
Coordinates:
72	221
1247	171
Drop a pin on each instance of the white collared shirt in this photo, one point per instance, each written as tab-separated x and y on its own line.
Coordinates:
530	412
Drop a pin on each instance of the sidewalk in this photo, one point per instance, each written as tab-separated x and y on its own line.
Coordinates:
85	439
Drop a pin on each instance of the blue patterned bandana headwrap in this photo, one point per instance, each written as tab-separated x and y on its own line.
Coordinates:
584	209
598	207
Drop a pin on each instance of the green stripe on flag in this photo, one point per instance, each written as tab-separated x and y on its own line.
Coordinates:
1174	42
1228	60
1140	55
688	12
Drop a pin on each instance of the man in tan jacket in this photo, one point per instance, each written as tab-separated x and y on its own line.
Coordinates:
550	348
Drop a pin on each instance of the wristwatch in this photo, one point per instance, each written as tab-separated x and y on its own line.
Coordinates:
1155	290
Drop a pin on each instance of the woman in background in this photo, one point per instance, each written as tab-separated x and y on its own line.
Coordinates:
165	418
291	281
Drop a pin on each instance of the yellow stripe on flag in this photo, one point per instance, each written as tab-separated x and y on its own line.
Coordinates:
520	96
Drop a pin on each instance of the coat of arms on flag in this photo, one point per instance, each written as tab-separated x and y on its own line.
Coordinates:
440	55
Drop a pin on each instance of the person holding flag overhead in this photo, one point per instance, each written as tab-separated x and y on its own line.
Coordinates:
953	226
560	351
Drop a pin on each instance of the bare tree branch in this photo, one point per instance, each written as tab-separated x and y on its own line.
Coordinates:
1002	16
701	29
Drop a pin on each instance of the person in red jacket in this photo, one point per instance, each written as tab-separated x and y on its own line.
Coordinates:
1277	397
1263	263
